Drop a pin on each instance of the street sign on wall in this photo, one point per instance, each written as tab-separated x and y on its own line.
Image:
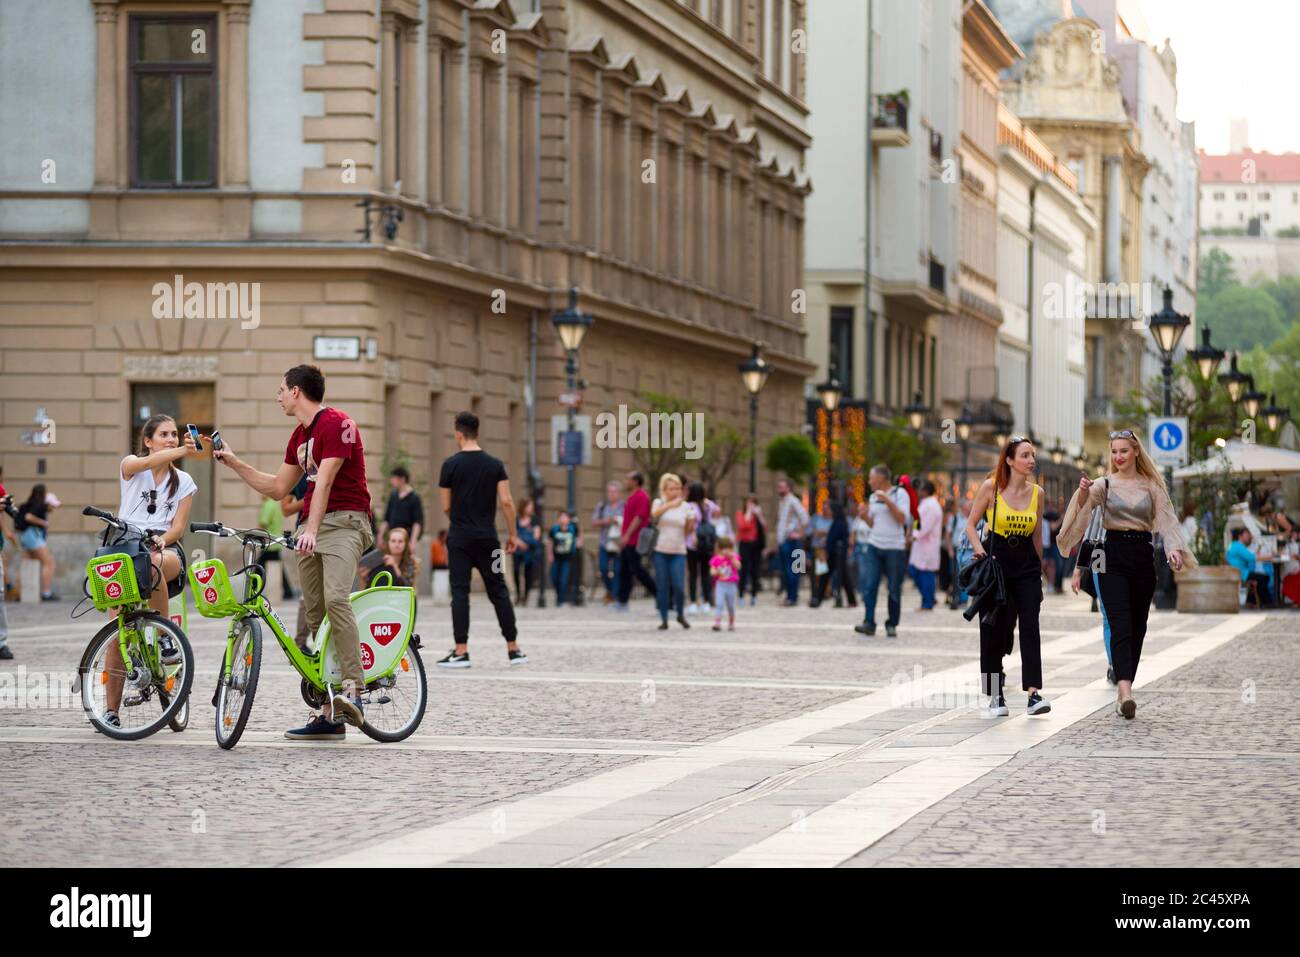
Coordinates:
1168	440
560	428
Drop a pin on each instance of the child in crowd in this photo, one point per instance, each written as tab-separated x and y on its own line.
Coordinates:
565	542
724	566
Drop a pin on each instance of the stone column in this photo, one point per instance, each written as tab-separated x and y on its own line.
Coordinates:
236	91
410	111
387	102
514	143
609	187
478	124
492	143
106	95
453	174
530	171
433	133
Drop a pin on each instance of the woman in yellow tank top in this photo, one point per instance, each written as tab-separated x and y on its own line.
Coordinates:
1012	506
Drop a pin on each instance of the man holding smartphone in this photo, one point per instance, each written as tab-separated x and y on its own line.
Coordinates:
326	447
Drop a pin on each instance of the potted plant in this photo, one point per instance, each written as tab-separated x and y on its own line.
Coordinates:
1212	587
892	110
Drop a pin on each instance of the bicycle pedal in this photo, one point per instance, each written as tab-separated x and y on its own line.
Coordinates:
132	701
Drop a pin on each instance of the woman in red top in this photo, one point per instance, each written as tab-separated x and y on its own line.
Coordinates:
749	533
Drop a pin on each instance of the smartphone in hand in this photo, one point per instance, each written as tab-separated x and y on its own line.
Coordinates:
194	434
216	440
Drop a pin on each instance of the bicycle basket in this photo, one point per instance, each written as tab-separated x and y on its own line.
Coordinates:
217	594
114	574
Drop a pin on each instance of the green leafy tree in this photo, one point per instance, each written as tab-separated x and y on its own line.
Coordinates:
896	446
1286	293
1241	316
1214	273
1210	414
794	454
655	462
725	447
1277	369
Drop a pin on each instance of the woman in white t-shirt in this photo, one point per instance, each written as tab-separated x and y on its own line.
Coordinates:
156	494
675	521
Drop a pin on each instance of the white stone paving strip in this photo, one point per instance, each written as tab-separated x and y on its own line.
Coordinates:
828	837
453	840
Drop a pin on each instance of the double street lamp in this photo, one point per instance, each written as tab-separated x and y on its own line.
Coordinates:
753	373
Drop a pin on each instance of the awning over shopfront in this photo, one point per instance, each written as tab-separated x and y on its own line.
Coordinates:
1245	458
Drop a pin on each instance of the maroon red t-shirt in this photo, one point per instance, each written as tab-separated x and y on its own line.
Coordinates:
333	436
636	506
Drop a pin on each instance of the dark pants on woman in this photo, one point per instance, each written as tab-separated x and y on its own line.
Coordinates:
1127	587
838	581
751	563
525	577
697	567
1022	574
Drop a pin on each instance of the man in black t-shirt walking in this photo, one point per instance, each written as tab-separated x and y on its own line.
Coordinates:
472	485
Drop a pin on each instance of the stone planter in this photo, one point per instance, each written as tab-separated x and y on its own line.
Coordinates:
1209	589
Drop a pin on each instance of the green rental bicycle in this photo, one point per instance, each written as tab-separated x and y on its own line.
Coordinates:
396	690
141	658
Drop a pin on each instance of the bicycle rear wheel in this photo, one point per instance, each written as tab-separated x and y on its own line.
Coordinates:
235	697
396	705
151	698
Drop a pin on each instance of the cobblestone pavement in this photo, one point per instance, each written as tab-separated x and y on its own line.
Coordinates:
791	741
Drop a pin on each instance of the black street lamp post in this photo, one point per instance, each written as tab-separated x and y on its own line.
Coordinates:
1167	329
830	392
754	372
572	327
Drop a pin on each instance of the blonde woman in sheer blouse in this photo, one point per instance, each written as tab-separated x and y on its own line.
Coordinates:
1136	505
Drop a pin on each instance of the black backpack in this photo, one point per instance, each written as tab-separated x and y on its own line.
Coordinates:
706	534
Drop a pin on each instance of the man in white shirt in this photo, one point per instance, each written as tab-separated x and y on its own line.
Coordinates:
791	520
889	516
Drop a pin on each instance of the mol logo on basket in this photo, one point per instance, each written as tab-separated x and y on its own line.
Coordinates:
367	657
385	631
108	570
204	575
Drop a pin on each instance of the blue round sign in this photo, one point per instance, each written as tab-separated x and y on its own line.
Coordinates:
1168	437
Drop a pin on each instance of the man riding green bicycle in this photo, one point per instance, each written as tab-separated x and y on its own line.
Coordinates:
336	531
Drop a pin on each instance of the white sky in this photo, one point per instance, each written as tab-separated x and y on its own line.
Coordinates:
1235	58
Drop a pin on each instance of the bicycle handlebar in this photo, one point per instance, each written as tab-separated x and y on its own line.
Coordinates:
98	513
110	519
258	535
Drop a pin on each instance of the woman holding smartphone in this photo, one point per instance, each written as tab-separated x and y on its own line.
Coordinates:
675	521
156	494
1012	507
1137	504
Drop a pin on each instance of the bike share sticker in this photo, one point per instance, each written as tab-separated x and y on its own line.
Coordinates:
367	657
384	632
210	595
114	590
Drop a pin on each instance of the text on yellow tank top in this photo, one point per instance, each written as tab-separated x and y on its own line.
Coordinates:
1011	521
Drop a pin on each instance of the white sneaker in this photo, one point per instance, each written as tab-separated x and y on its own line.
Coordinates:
997	707
692	609
706	609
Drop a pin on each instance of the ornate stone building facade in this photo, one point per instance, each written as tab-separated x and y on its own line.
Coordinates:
1068	91
649	152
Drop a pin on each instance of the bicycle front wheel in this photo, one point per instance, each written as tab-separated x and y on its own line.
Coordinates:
149	693
235	696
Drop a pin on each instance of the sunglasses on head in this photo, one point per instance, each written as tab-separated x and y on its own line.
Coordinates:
1123	434
1017	439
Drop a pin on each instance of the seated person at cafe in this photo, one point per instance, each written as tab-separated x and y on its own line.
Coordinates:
1241	557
